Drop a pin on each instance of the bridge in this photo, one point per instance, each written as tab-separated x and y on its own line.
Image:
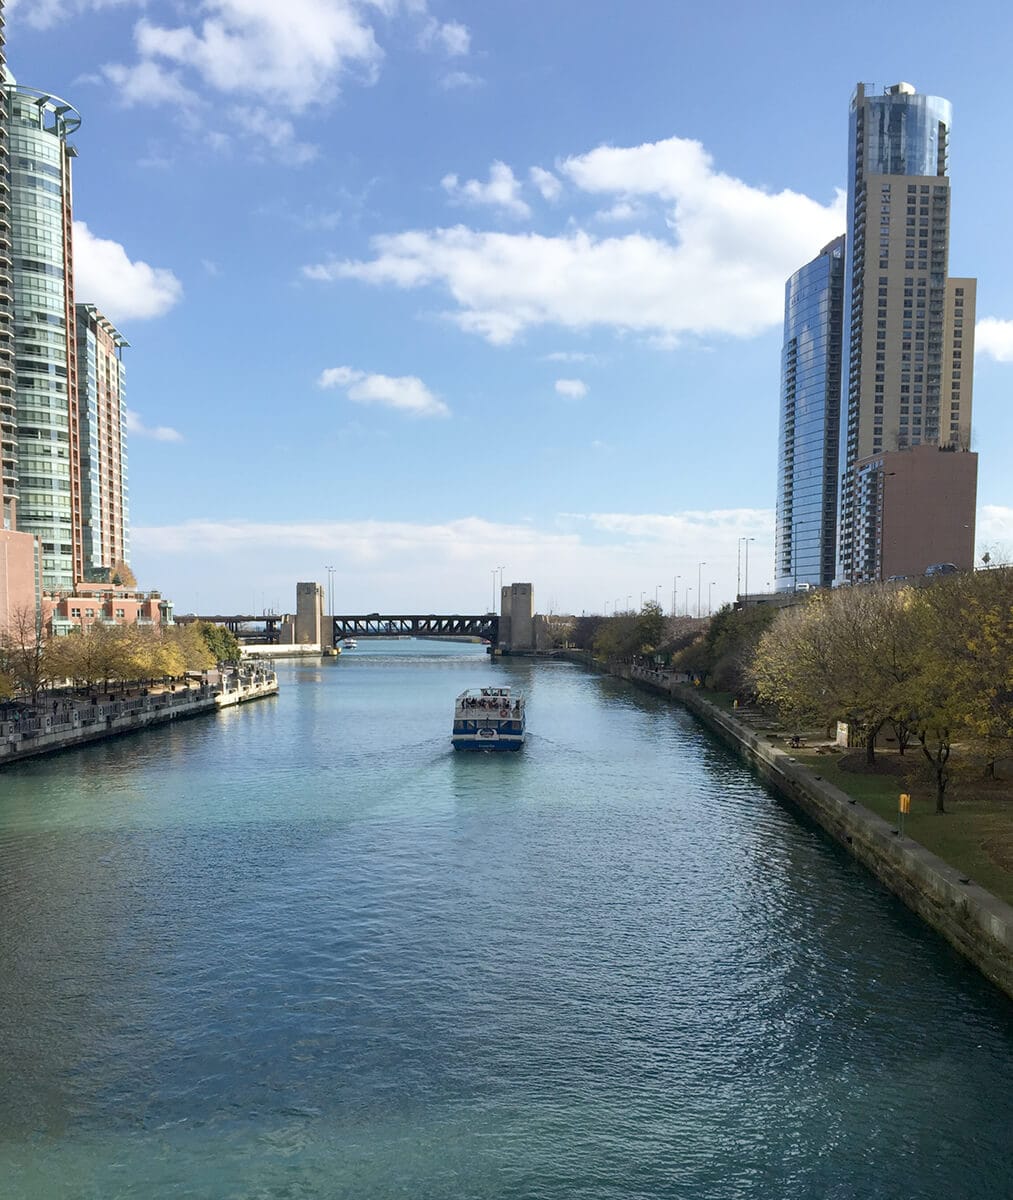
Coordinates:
240	625
484	625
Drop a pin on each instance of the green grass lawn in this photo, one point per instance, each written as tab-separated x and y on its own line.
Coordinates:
975	835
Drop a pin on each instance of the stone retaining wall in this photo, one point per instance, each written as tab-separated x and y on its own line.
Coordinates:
65	724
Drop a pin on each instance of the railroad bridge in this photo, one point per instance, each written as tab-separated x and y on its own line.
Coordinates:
483	625
515	628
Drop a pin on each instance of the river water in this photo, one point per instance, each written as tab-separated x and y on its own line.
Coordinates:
302	949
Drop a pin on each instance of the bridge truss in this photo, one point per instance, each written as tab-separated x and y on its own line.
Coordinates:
485	626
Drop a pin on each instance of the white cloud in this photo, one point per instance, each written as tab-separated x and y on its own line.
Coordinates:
124	290
721	272
576	562
300	53
622	210
503	191
460	79
406	393
994	337
42	14
570	356
572	389
995	526
148	83
158	433
547	183
267	129
297	52
451	37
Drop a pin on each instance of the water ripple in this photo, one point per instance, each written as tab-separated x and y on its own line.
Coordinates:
304	950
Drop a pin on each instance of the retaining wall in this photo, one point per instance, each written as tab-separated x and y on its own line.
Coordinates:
71	723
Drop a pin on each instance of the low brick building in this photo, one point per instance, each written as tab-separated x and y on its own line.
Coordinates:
89	603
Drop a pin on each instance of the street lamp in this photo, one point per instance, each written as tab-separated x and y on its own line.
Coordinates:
330	590
642	595
747	540
688	590
675	596
657	595
699	589
710	586
629	602
495	572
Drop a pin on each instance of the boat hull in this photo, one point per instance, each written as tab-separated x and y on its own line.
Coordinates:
471	741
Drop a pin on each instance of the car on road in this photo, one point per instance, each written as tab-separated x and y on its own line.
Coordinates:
941	569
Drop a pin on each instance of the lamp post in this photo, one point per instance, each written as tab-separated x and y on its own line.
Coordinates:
699	588
495	571
330	590
606	608
710	587
688	590
657	595
675	596
642	595
629	602
747	540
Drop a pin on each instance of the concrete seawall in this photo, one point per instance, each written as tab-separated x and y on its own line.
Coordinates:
65	725
976	923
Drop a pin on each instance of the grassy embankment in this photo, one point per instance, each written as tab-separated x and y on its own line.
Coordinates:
975	834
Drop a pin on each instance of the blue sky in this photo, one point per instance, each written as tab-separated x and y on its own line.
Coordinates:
421	288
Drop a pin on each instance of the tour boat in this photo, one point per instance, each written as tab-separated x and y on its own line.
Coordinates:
349	644
488	718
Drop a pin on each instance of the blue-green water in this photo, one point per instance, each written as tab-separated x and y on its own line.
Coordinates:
302	949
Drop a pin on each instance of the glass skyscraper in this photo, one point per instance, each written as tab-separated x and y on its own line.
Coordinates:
908	328
48	493
805	537
8	411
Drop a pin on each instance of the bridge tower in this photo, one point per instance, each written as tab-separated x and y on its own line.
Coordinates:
309	614
517	619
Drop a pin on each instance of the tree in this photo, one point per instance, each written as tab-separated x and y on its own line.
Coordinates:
650	628
221	642
966	682
189	642
24	650
724	652
582	634
846	655
616	637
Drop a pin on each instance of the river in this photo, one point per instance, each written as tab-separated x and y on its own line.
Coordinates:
302	949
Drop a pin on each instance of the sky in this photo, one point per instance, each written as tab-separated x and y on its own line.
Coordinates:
438	292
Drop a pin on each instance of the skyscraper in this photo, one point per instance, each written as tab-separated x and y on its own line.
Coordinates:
102	414
908	330
8	412
805	537
49	489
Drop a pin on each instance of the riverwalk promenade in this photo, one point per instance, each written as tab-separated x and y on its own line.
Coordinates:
64	722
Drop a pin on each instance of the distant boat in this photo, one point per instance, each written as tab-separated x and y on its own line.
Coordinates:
488	718
349	644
